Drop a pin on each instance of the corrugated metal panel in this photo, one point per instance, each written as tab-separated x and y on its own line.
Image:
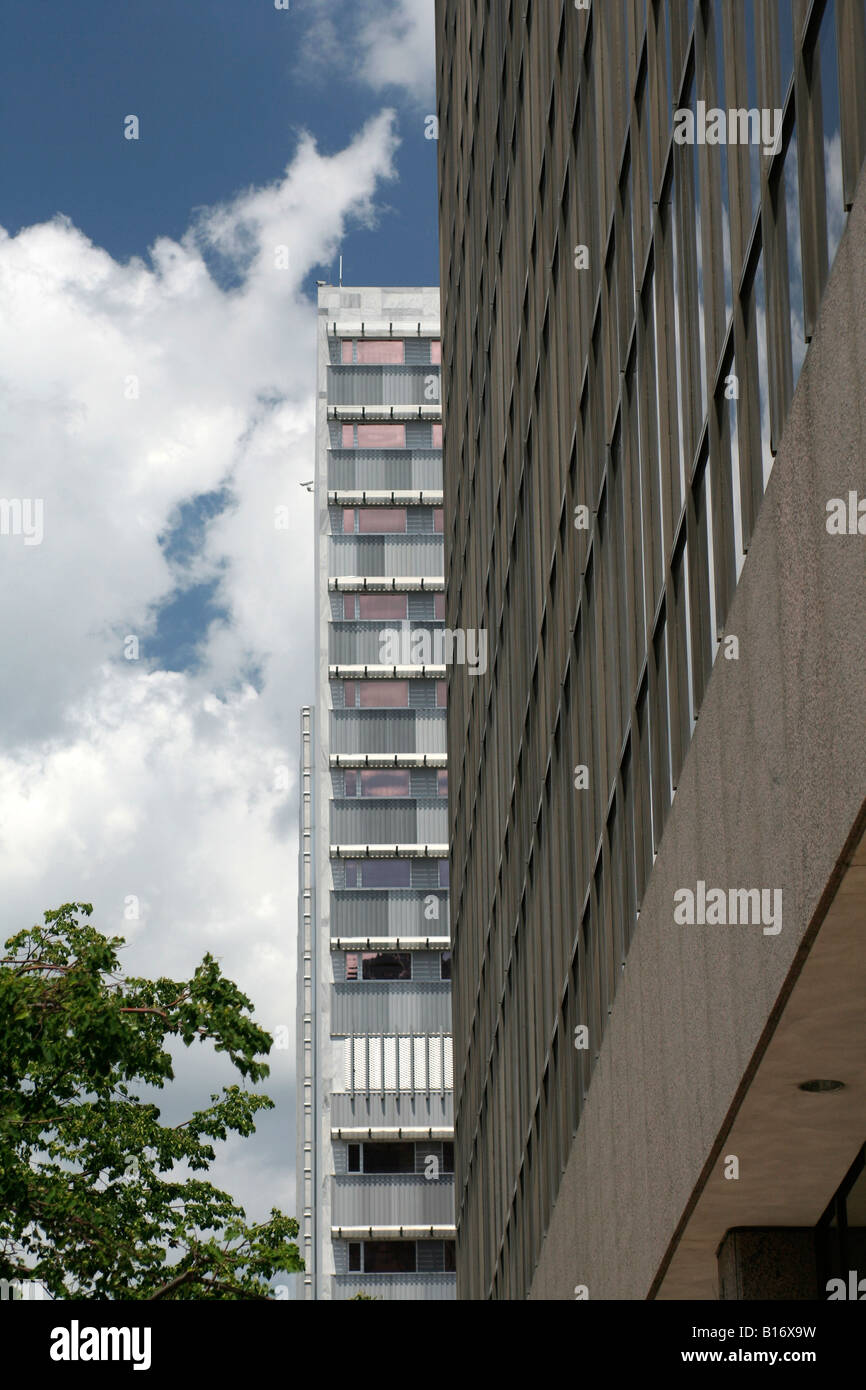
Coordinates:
372	822
372	731
430	731
432	1109
359	643
432	823
396	1006
386	555
383	385
425	1288
396	1200
387	914
386	468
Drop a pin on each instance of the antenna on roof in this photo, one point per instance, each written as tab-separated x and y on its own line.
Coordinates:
341	272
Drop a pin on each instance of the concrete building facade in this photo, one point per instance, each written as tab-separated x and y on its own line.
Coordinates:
654	356
375	1084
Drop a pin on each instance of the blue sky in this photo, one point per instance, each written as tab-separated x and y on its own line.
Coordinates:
222	89
157	399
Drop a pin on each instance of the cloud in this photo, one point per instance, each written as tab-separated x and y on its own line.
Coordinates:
386	45
130	395
398	47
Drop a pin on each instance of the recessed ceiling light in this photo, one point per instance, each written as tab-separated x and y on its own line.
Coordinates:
813	1086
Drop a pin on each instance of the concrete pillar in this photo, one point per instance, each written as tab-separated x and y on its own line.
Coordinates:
774	1262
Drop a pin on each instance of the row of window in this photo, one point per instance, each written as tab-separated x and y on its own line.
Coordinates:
384	521
387	873
385	607
386	694
389	782
381	352
388	965
389	436
390	1159
400	1256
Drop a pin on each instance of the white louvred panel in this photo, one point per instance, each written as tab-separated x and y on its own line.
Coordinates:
405	1063
374	1080
390	1058
434	1080
420	1050
347	1064
359	1080
449	1063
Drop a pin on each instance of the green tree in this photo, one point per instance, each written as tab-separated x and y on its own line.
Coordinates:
89	1204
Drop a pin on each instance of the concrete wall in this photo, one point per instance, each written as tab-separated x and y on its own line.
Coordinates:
772	786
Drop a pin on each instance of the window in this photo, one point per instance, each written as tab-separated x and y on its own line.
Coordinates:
381	352
389	1158
348	521
442	782
386	965
377	521
379	873
445	966
351	784
354	1258
438	520
387	607
351	965
354	1158
348	436
349	694
441	694
381	436
450	1254
350	606
346	353
435	351
389	1257
448	1158
443	873
391	782
384	694
439	607
437	436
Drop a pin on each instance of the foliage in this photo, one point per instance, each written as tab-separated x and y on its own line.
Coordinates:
89	1201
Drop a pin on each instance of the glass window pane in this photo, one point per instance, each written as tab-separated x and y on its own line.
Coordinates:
389	1256
379	606
374	521
347	351
373	352
386	873
387	965
390	782
381	436
384	694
